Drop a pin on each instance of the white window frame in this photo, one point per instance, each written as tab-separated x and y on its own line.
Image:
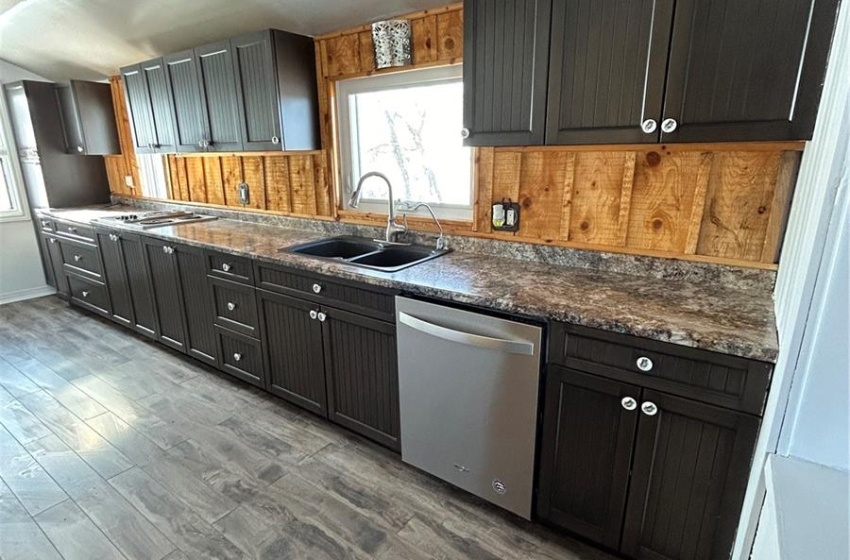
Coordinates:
11	168
347	133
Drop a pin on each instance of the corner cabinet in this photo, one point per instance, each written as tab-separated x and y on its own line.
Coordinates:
646	71
88	118
646	447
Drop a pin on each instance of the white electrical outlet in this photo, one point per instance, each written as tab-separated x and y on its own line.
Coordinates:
128	180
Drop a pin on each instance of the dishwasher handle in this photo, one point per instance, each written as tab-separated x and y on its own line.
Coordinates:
507	346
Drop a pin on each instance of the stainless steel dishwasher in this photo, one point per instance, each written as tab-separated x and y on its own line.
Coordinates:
468	387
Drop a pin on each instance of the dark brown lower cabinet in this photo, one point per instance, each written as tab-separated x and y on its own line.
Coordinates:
653	475
362	375
138	279
167	296
293	357
688	479
115	275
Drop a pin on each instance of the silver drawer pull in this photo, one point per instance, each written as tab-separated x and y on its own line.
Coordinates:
77	258
644	363
322	317
314	314
237	356
629	403
52	240
45	223
317	288
72	230
231	306
226	267
649	408
85	293
80	149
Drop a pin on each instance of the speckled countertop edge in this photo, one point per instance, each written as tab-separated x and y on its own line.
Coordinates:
731	320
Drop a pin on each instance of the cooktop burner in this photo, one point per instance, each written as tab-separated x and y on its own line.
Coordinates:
148	220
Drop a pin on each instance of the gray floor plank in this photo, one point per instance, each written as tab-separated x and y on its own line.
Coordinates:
15	382
77	435
22	423
32	486
56	386
74	535
135	446
180	524
20	537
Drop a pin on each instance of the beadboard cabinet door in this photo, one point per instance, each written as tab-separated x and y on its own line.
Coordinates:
163	119
190	263
255	72
115	275
587	446
746	70
505	66
167	296
182	73
362	375
138	278
140	110
607	68
688	479
219	101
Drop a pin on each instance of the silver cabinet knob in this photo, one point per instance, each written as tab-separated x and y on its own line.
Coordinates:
275	140
52	240
85	293
314	314
644	363
317	288
237	357
649	408
77	258
45	223
464	133
72	229
80	149
322	317
231	306
629	403
649	126
165	249
669	125
226	267
113	237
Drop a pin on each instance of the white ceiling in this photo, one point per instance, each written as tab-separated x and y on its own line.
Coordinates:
91	39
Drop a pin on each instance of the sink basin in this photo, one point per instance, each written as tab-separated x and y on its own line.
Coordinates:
367	253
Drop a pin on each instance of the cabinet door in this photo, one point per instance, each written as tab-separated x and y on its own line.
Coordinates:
220	104
588	434
117	283
54	256
505	66
139	105
607	63
744	70
688	479
161	112
362	375
198	303
167	297
293	350
182	74
139	281
259	114
72	127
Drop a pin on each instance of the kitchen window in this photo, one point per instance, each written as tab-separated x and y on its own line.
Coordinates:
407	126
11	206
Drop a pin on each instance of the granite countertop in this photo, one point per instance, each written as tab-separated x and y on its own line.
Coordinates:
732	320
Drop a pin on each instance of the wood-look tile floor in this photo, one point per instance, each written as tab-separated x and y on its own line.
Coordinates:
113	447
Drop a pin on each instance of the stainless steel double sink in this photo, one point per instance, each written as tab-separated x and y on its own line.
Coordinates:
366	253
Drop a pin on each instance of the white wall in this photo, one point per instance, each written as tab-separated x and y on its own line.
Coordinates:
21	273
808	392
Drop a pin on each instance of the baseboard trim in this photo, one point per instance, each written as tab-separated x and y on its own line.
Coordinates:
29	293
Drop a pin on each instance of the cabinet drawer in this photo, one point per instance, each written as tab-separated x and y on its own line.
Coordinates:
709	377
89	294
78	231
370	301
241	356
80	257
235	306
229	267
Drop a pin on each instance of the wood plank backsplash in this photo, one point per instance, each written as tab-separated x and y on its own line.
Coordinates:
724	203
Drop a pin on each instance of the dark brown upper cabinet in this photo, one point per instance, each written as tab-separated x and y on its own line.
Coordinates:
148	99
646	71
88	118
607	67
276	89
219	101
182	74
505	65
746	69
